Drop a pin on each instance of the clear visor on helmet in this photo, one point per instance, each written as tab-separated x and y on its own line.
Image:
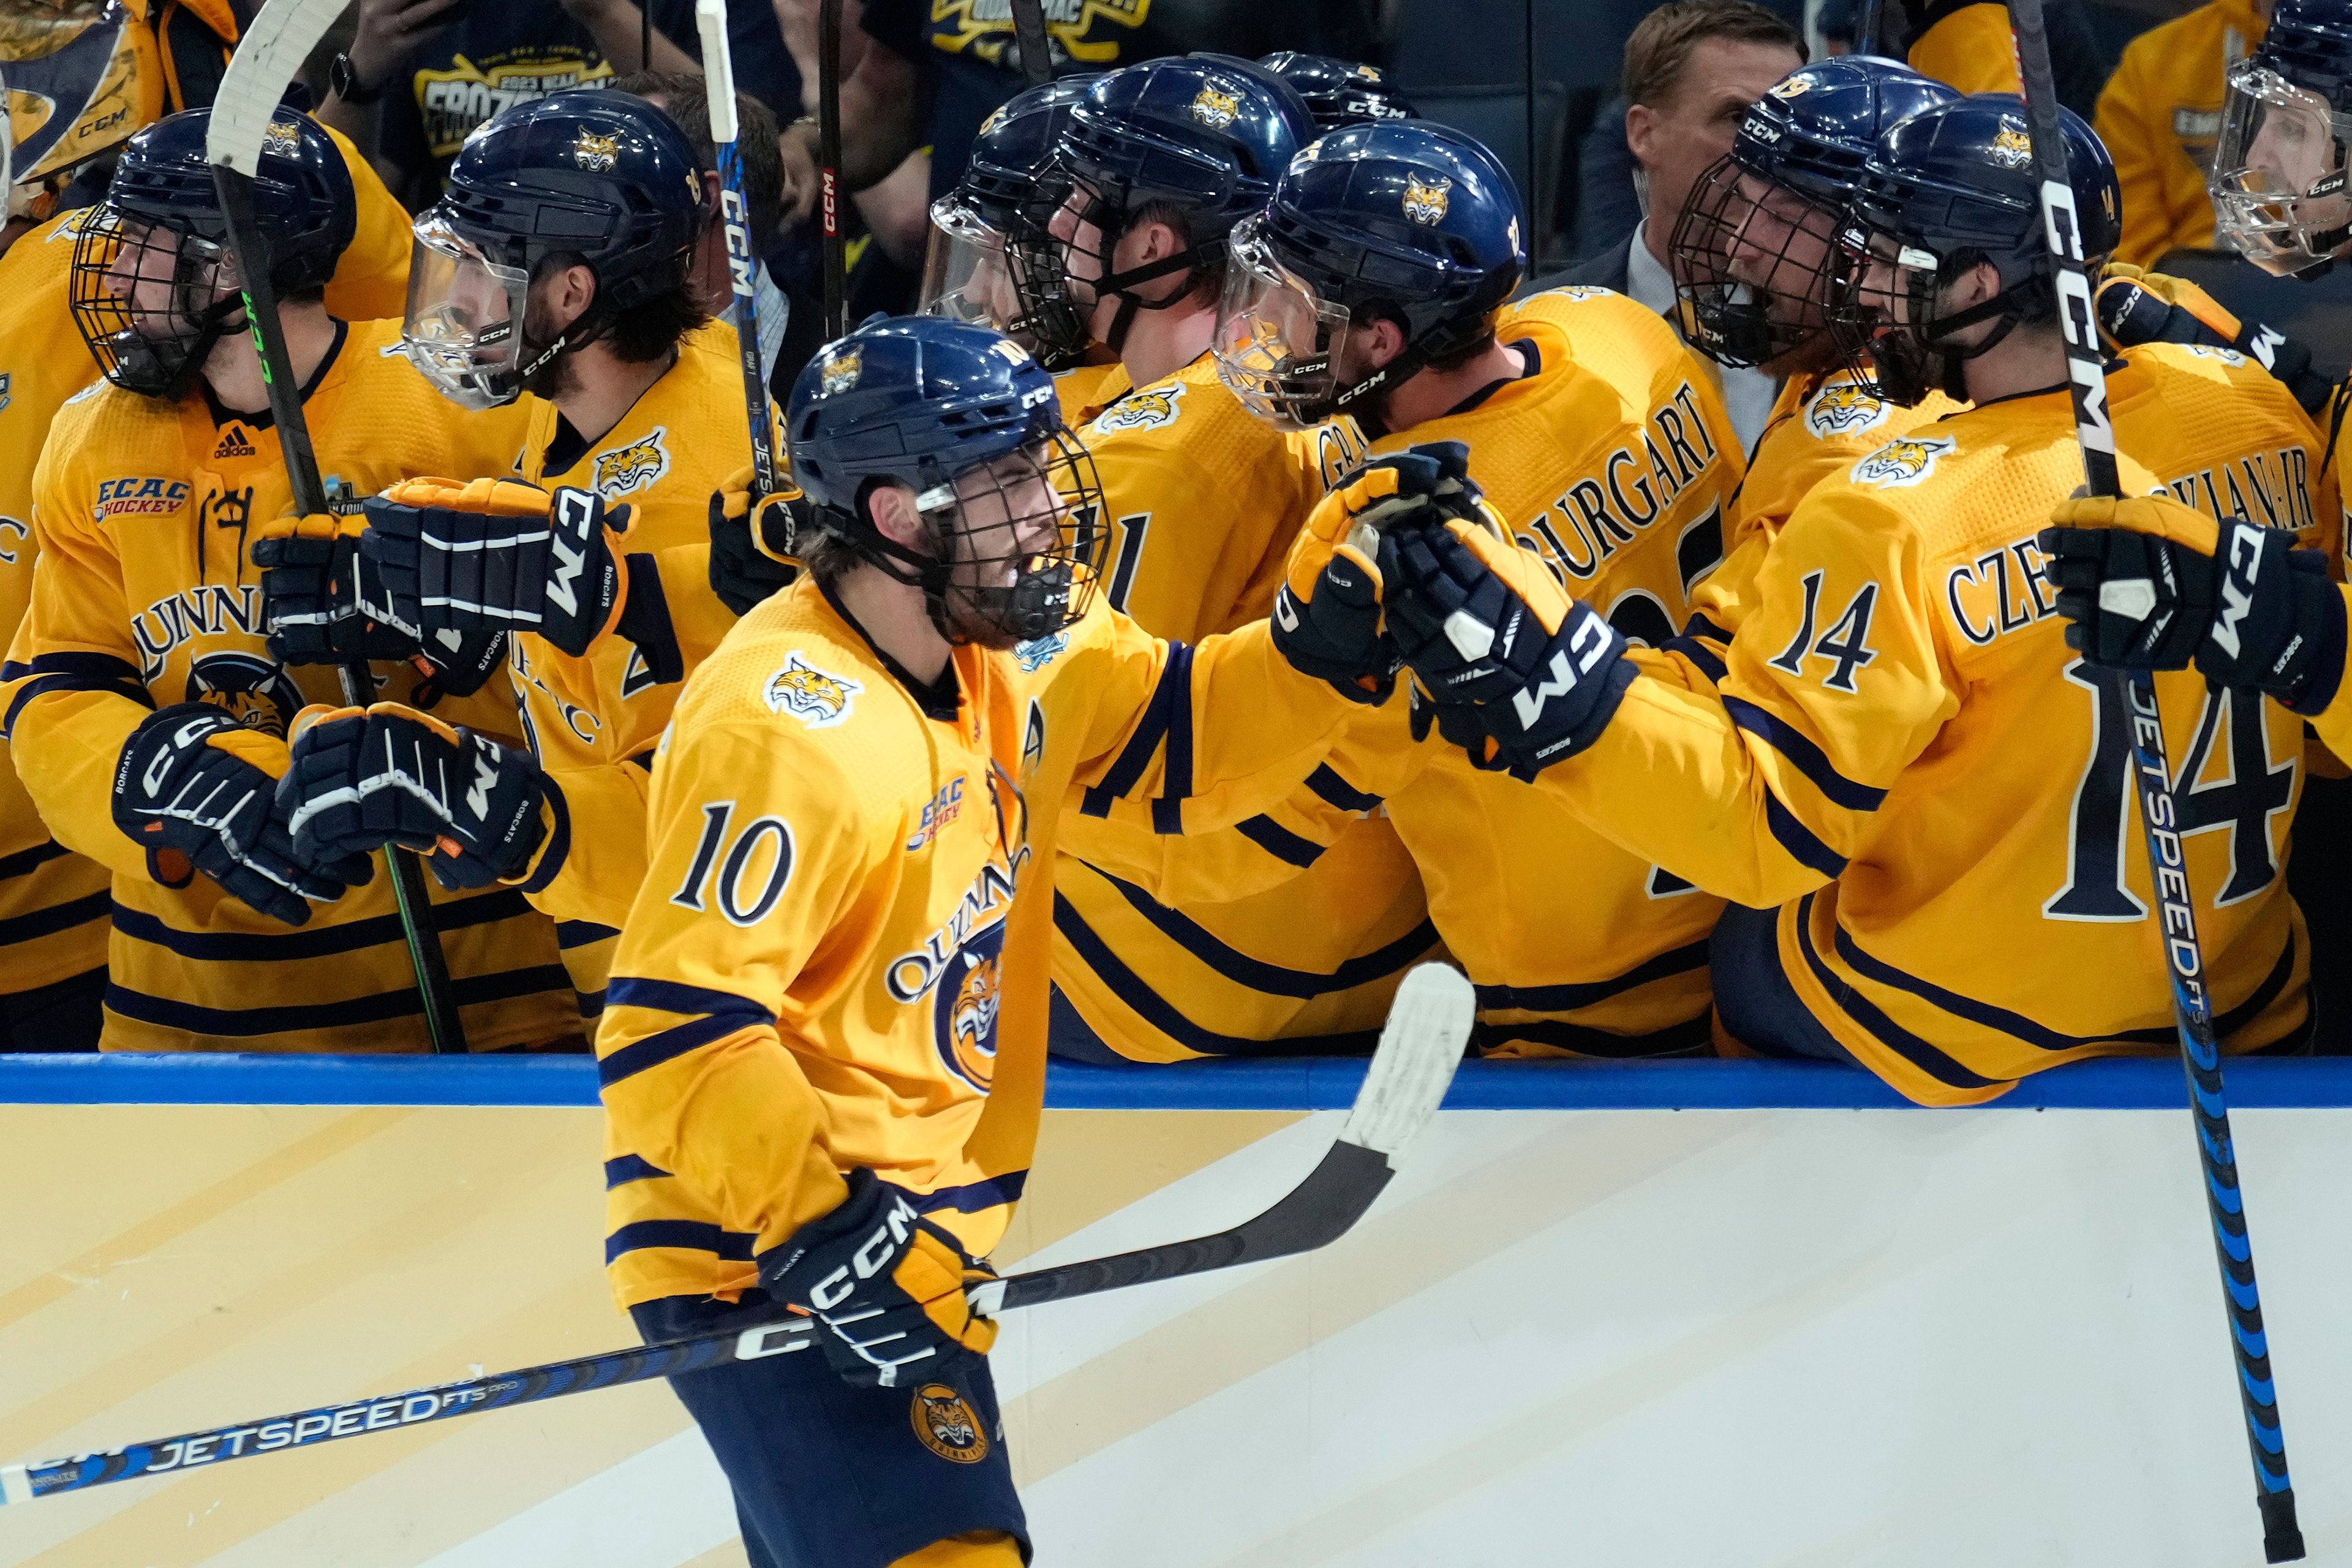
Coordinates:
1275	342
2278	181
964	273
462	331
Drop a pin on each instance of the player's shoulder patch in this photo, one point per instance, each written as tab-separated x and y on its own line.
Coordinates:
632	466
1841	407
2231	357
817	697
1903	462
1147	410
1577	291
1038	652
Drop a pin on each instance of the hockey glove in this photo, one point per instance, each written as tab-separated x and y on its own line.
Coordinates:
1327	615
322	600
750	562
363	778
197	790
2149	584
1482	623
496	557
2136	307
886	1284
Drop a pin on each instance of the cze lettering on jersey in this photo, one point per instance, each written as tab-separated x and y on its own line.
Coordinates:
2005	590
1599	513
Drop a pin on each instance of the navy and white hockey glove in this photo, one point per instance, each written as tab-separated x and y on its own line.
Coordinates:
2149	584
1327	615
886	1286
198	792
1489	633
363	778
468	561
322	600
753	541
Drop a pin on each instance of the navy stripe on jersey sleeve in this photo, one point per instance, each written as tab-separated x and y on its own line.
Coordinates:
715	1015
1810	759
690	1235
1280	841
1699	654
246	1023
1798	840
28	861
286	946
1126	770
1168	811
623	1169
1326	782
1928	1059
559	837
55	919
1568	997
1698	625
53	672
974	1196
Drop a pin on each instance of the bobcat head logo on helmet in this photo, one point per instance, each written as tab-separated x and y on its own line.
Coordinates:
1840	408
946	1424
2012	147
809	694
632	466
841	371
1215	109
1424	200
596	154
1903	463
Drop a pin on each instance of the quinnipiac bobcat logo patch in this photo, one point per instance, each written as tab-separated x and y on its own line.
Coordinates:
946	1424
811	695
1840	408
1903	463
632	466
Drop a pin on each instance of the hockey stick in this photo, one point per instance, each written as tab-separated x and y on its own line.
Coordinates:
1036	48
742	266
1427	1029
267	59
828	152
2167	866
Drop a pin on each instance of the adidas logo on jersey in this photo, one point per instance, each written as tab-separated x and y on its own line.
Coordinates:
1901	464
234	442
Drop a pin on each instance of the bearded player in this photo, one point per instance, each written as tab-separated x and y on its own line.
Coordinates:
822	1057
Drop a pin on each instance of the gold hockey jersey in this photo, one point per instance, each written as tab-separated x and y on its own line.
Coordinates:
1203	499
1612	460
53	902
145	596
592	719
1904	757
838	958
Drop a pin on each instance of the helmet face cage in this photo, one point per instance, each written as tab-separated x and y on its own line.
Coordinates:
149	300
1900	357
1757	266
1276	344
2279	180
1017	544
463	329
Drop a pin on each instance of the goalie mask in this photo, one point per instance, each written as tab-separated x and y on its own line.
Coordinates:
82	77
969	422
152	289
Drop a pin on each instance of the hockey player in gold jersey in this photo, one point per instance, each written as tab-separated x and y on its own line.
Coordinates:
1369	288
823	1059
53	902
1201	501
639	418
1874	772
147	715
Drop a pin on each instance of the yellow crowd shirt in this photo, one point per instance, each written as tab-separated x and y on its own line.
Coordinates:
592	720
1203	499
838	956
53	902
1905	758
2160	116
145	597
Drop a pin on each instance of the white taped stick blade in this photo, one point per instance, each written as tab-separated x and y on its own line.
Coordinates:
1427	1031
269	56
15	1485
718	67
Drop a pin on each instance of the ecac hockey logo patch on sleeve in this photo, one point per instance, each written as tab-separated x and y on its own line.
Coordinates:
1901	464
1842	408
139	497
811	695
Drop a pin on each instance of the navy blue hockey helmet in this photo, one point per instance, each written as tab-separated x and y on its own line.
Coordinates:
1755	248
1201	139
1947	189
2278	176
992	257
969	422
1339	93
582	177
148	293
1405	222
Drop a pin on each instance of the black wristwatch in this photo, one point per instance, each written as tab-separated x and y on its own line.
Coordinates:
343	81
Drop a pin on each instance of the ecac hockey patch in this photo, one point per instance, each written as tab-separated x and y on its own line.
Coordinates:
1903	463
811	695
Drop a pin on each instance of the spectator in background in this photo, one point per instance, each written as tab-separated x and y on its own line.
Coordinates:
420	75
1692	69
2160	115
